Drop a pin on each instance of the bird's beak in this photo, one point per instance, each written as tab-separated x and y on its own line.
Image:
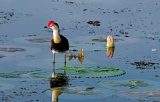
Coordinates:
45	26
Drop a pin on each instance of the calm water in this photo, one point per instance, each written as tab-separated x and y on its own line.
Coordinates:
26	60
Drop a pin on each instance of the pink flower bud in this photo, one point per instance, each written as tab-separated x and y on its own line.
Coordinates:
110	41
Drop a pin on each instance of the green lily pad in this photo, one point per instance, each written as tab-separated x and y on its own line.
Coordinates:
130	85
25	74
38	40
11	49
91	72
72	69
144	94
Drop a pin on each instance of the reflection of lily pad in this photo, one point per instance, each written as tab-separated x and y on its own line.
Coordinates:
25	74
93	71
130	85
81	93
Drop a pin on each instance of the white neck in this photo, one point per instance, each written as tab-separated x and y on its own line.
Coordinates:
55	33
56	36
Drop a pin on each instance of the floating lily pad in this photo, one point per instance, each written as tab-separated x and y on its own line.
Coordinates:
144	94
81	93
17	50
72	69
11	49
130	85
39	40
91	72
25	74
33	39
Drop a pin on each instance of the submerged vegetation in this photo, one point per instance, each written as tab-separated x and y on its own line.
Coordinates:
11	49
25	74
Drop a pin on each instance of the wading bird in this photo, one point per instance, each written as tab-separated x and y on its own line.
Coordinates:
59	43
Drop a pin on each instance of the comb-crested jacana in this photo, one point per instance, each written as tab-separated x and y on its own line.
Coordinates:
59	43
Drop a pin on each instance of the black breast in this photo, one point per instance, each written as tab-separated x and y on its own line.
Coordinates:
60	47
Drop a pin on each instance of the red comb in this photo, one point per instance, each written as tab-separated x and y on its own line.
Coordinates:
50	23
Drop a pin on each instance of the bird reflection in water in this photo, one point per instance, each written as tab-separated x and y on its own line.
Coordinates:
57	81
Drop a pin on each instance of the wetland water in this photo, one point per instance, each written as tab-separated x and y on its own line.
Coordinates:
129	73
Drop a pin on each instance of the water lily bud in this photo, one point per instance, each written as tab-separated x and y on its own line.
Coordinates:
81	53
70	54
110	41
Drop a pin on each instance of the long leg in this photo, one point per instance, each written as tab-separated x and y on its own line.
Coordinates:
54	58
65	57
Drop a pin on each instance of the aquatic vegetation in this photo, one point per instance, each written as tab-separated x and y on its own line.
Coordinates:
73	69
143	64
25	74
38	40
110	41
130	85
80	55
93	71
144	94
11	49
94	23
